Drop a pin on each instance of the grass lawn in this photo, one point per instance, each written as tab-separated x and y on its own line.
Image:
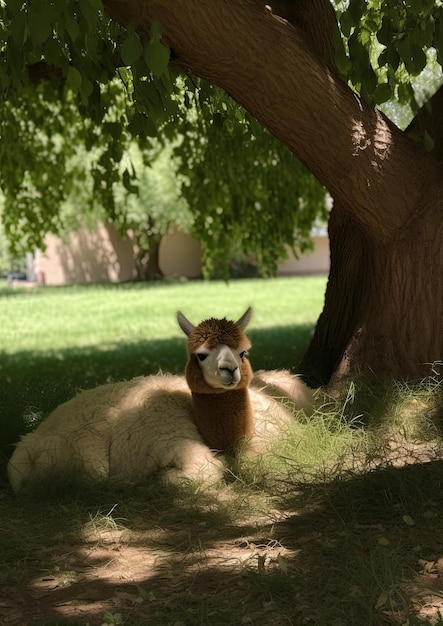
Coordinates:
338	525
58	340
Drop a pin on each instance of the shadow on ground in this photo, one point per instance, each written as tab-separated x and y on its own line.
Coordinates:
367	550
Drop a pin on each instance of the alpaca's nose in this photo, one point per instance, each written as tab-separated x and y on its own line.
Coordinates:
229	370
229	375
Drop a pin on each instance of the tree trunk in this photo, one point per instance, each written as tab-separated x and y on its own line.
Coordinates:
344	299
383	308
401	327
147	261
153	270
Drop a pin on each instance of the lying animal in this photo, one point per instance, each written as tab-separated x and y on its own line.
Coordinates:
170	424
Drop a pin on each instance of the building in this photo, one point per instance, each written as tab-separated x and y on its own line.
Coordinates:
103	255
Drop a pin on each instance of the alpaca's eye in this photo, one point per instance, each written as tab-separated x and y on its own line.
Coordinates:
243	354
201	356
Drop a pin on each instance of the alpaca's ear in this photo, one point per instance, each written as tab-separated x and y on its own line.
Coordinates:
186	326
245	319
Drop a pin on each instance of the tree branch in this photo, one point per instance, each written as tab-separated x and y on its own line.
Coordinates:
265	64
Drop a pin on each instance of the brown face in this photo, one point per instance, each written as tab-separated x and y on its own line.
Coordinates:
213	332
218	348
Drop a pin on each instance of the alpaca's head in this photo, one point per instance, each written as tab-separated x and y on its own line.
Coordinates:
217	351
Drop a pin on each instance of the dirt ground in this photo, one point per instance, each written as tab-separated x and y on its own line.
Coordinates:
149	575
363	551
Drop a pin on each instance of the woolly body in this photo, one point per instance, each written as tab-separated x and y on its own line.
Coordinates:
126	431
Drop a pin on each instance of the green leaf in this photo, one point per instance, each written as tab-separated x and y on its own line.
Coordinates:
157	57
131	49
343	63
141	125
39	25
428	33
384	34
405	93
90	12
356	8
114	129
346	23
416	7
71	26
18	29
389	57
156	30
393	57
404	48
382	93
86	88
372	25
73	78
369	81
53	53
419	59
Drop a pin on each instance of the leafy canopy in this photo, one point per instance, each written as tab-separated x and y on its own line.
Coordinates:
388	43
73	80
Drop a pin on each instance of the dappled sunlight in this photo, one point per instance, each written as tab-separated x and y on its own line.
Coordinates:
147	567
380	142
337	523
279	543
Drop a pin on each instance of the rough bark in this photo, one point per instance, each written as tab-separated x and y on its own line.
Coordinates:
383	308
344	308
317	21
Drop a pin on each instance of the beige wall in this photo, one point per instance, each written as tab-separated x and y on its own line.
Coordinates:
180	255
102	255
86	256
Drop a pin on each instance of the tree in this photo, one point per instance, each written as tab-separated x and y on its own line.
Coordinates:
246	190
288	68
153	208
72	102
146	200
384	305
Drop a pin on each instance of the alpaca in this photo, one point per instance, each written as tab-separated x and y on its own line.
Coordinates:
169	424
218	375
230	403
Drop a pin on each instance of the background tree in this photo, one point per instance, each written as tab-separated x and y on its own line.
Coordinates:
153	206
144	199
237	175
292	71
